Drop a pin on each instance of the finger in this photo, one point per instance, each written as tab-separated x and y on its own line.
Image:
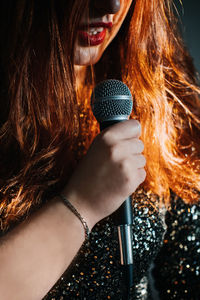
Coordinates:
138	161
126	148
141	175
122	130
132	163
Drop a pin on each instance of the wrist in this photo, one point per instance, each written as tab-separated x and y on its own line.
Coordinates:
77	214
81	207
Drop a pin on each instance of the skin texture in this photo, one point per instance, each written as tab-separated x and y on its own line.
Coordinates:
112	170
115	13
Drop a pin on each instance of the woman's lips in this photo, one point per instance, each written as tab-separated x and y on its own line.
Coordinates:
92	39
93	34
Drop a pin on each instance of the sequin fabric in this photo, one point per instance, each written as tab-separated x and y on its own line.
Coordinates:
177	266
95	273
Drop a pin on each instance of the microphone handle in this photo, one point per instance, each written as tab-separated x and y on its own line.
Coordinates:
123	219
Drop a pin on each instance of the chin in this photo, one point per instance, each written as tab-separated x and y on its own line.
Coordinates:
87	58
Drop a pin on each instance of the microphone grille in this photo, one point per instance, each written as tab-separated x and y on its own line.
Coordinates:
111	100
111	87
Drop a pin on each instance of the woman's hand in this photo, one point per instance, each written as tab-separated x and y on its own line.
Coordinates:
111	171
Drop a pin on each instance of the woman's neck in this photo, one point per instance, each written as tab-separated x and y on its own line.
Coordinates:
80	73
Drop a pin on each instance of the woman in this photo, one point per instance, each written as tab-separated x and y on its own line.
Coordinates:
47	55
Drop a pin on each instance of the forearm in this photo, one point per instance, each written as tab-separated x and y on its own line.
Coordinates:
36	253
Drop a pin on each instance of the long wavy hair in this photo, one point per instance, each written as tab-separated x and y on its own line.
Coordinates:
46	124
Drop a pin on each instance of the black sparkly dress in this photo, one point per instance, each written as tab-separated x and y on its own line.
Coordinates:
177	266
166	249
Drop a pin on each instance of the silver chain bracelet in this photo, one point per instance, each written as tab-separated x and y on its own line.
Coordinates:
73	209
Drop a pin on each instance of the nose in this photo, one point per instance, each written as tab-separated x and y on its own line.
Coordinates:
106	6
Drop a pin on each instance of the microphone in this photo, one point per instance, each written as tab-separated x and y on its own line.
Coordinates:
111	103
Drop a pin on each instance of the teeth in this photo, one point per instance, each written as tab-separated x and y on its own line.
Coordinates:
100	29
94	31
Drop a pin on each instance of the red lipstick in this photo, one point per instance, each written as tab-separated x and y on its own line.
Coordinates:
93	34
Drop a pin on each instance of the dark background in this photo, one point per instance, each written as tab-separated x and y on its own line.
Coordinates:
190	19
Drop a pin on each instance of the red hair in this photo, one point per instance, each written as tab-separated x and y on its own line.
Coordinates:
167	100
45	130
159	71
